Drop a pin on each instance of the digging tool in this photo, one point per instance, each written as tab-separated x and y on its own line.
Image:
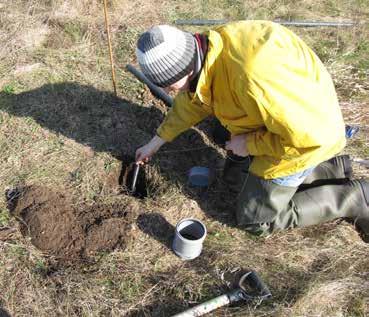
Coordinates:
248	282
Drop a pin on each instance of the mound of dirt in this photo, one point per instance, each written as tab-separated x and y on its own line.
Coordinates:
68	231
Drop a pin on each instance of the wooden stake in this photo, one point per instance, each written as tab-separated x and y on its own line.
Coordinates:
110	48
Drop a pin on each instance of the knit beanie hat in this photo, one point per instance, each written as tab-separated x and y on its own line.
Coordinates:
166	54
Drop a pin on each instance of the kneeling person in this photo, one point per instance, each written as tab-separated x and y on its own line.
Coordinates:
275	97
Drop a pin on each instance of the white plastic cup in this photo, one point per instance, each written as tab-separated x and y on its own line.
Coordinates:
188	239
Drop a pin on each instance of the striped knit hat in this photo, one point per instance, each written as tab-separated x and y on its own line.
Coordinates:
166	54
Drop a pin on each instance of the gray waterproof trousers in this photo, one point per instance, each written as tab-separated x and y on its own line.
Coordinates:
264	206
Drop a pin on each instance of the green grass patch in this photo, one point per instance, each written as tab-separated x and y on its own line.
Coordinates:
75	31
219	237
18	178
4	217
333	7
359	56
131	287
125	42
357	307
9	89
40	267
17	251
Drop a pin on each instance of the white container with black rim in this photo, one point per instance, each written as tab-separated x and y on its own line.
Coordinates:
188	239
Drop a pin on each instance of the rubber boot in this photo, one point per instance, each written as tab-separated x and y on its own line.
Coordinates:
337	170
328	202
235	171
264	207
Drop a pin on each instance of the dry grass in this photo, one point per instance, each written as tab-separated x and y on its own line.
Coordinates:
59	128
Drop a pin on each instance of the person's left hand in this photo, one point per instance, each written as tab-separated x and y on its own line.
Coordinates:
238	145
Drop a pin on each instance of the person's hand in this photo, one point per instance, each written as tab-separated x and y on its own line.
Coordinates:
144	153
238	145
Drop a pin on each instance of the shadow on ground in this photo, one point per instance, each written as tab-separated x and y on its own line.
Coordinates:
87	115
155	225
106	123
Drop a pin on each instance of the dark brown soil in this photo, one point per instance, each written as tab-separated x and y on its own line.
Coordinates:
67	231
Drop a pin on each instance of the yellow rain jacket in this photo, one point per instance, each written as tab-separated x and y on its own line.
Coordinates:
261	79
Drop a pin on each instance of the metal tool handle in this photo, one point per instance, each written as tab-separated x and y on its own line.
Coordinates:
212	304
155	90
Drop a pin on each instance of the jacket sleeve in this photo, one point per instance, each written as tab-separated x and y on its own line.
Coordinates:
185	113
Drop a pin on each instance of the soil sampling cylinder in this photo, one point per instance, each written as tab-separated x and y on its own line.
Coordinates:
188	238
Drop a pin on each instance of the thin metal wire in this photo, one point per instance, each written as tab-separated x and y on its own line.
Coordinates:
292	23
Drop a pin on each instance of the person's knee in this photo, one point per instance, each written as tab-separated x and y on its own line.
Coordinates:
249	219
261	203
254	212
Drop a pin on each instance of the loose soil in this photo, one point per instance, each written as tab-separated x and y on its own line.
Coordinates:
70	232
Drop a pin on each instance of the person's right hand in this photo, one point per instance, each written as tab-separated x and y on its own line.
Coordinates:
144	153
